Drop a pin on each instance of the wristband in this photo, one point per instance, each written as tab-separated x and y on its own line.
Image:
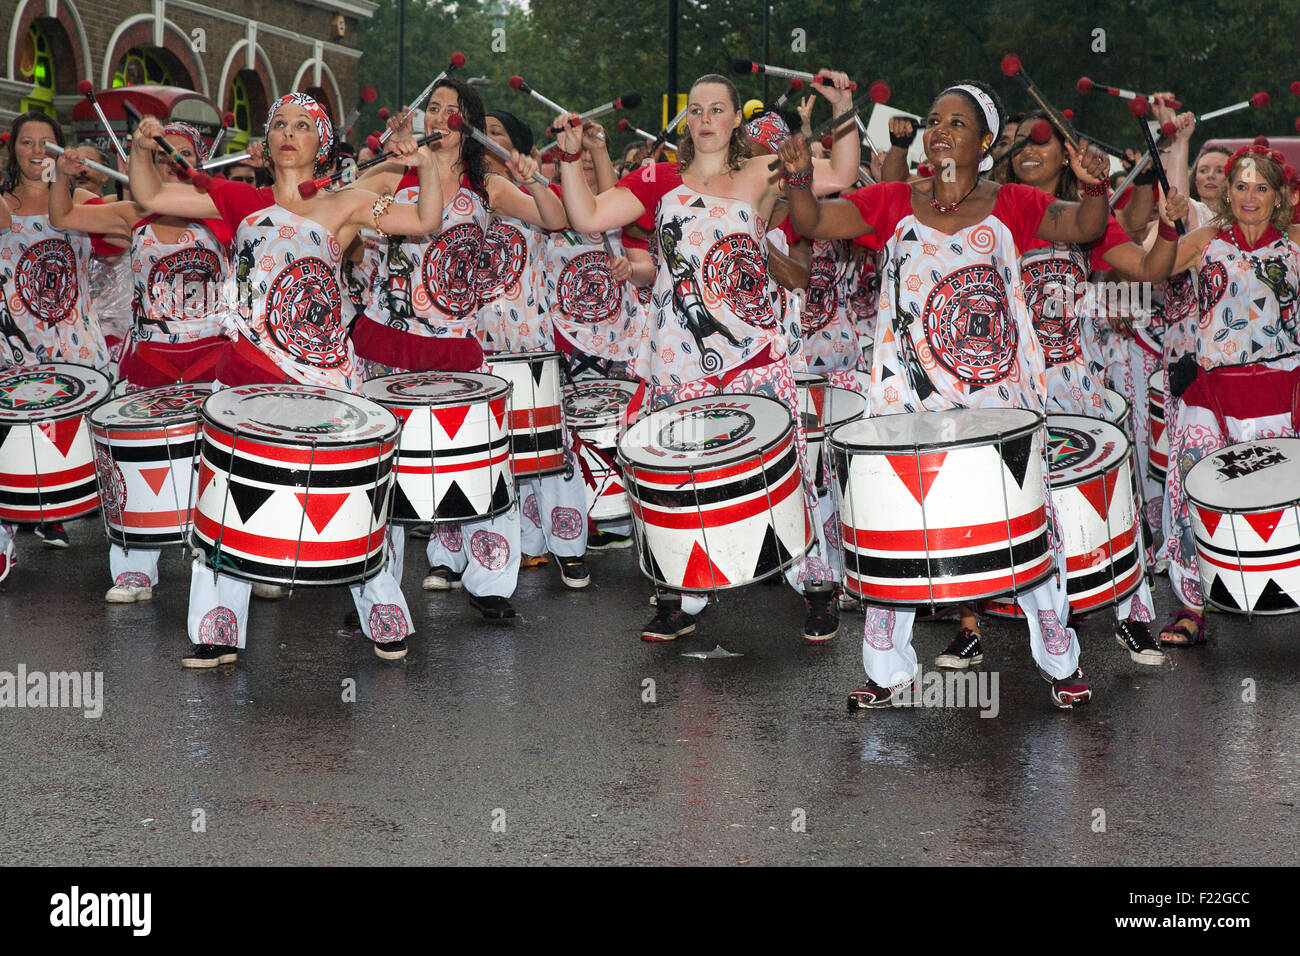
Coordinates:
570	157
797	180
1095	189
1166	231
1146	177
902	142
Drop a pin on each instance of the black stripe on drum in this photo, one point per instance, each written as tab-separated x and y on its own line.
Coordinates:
50	497
462	452
152	453
1251	555
137	540
359	477
1097	580
946	566
247	569
660	497
524	443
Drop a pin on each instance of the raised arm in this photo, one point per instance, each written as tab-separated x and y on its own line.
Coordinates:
420	218
1083	221
539	206
595	141
841	170
810	216
612	209
168	199
115	218
1191	246
1155	264
902	130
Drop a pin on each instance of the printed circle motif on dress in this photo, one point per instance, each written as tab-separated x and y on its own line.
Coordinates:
219	626
183	268
387	623
489	549
303	313
449	269
982	240
500	262
735	272
530	510
586	291
449	537
969	327
822	301
1049	290
133	579
45	280
1211	284
566	523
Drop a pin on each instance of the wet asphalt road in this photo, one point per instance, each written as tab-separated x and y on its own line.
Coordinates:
543	719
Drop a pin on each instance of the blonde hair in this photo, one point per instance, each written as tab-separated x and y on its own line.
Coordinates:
1270	171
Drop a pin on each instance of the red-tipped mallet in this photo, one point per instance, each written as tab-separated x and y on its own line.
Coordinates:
227	121
200	179
1258	101
368	95
517	84
457	61
458	122
86	89
312	186
795	86
1012	67
749	66
1039	132
58	150
628	101
1086	85
627	127
1139	107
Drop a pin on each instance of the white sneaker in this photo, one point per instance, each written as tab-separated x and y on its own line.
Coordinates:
126	594
269	592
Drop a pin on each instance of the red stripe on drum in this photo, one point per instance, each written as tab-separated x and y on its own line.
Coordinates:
282	455
152	520
948	590
151	436
1104	595
50	479
718	517
73	509
477	463
282	550
678	479
943	539
1248	566
527	464
1089	560
527	418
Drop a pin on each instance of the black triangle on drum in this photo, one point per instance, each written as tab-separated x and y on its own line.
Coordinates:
501	493
4	433
248	498
1220	595
1015	455
651	566
1273	598
772	555
538	368
377	496
454	504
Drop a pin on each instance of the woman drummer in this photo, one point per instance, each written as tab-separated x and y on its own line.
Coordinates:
1239	383
714	200
276	231
929	231
423	314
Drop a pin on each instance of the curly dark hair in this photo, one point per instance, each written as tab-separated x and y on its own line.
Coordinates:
737	145
11	176
472	153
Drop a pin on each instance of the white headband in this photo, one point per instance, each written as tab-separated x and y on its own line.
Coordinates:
991	118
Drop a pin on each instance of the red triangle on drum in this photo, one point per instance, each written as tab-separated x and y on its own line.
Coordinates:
403	413
701	572
321	508
451	418
1210	519
206	475
61	433
1264	523
498	407
905	467
1099	494
154	477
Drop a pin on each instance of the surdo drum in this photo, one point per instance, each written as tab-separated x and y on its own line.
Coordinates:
536	416
939	507
1245	507
293	484
716	492
146	451
47	464
595	410
1157	434
453	461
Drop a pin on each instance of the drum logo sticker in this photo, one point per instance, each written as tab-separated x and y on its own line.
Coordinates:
302	313
705	429
822	300
163	406
46	280
343	417
39	390
1211	283
968	327
500	261
1068	447
489	549
1246	461
1050	286
449	269
596	401
112	485
734	272
586	292
434	385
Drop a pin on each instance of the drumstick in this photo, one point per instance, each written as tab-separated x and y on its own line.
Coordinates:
457	61
227	160
628	101
750	66
1011	66
1258	101
1086	86
1039	133
86	89
517	83
457	121
1138	108
663	133
58	150
227	121
201	180
795	86
312	186
626	127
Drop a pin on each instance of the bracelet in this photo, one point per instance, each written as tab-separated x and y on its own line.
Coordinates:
378	209
1096	189
798	180
570	157
1166	231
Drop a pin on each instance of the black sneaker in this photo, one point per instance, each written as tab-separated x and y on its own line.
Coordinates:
872	696
1068	692
964	651
390	650
351	625
493	608
573	572
1135	637
210	655
421	532
823	619
670	621
52	534
608	541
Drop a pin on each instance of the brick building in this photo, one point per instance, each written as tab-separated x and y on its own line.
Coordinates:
241	54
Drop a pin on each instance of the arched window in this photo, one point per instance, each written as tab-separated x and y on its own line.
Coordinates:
36	66
143	66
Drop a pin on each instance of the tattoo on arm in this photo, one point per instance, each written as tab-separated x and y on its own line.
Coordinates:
1055	210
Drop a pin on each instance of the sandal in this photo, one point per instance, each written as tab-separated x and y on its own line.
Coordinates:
1182	636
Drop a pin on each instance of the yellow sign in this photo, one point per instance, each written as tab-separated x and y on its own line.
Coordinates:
681	105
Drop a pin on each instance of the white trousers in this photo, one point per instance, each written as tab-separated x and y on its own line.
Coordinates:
554	515
486	552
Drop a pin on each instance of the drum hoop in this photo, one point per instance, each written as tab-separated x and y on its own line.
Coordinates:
501	390
1023	587
180	417
1253	508
712	463
518	357
387	435
930	447
55	417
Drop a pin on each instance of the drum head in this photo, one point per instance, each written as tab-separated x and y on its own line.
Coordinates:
417	389
842	405
166	405
706	431
1079	448
1156	381
596	402
299	415
919	430
1249	476
45	392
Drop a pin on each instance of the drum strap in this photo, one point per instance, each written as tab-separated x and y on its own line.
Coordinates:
580	444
